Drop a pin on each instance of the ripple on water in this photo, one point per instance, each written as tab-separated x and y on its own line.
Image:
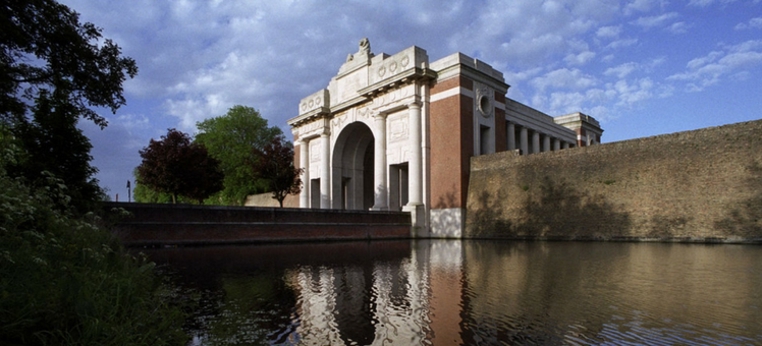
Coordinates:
480	293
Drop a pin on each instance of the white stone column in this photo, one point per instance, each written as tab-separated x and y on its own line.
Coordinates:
565	145
556	144
415	164
524	141
379	167
511	136
535	142
304	162
545	143
325	171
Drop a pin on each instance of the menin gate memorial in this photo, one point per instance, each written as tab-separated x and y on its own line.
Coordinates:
396	132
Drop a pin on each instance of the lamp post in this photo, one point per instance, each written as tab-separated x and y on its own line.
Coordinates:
129	193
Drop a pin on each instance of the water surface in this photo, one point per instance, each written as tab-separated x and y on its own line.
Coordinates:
471	292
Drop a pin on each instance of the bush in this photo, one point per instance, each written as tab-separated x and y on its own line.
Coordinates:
64	281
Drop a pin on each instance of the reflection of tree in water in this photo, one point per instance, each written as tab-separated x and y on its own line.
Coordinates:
744	218
557	210
255	309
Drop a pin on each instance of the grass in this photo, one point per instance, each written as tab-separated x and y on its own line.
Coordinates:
66	281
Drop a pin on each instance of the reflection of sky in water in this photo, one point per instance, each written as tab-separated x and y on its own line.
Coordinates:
452	292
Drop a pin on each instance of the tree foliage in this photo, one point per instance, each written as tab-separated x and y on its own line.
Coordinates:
230	139
275	163
53	71
44	48
53	144
176	166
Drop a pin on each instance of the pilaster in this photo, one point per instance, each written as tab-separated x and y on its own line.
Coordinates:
325	170
304	163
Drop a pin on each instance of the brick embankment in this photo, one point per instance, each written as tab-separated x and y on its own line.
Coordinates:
165	224
702	186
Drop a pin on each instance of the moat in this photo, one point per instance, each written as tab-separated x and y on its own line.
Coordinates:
470	292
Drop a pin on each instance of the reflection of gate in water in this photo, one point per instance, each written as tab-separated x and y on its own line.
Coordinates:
414	299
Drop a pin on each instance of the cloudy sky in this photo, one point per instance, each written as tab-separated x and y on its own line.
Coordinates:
642	67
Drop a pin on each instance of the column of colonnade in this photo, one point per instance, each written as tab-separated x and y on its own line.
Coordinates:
535	142
531	141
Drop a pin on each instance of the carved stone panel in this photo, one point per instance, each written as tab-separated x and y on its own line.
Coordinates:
399	128
315	101
397	63
315	150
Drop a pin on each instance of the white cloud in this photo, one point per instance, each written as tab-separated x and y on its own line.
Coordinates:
622	70
705	3
710	69
755	23
678	28
626	42
564	78
632	93
641	6
579	59
655	21
609	31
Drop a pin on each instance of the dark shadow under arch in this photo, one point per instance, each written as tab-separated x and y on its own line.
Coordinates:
352	170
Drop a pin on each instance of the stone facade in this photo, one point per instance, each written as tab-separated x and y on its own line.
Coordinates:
703	185
396	132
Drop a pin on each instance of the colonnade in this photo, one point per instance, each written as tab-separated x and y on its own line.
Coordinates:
539	142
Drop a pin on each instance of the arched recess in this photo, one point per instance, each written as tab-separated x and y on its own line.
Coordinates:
352	171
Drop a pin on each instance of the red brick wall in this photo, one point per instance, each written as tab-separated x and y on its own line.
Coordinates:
167	224
501	142
451	131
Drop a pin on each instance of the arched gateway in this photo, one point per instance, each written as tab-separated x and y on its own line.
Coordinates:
397	133
352	168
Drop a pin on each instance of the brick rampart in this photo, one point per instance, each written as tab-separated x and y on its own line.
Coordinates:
166	224
703	185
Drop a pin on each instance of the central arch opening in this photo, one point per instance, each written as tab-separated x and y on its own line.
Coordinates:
353	164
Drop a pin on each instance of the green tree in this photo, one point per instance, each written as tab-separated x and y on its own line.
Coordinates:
144	194
53	144
176	166
53	71
230	138
275	164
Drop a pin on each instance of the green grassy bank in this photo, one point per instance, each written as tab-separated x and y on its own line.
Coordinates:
66	281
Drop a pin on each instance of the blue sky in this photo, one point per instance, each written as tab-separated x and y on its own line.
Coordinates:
642	67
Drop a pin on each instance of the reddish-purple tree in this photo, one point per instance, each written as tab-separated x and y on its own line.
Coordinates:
275	164
179	167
